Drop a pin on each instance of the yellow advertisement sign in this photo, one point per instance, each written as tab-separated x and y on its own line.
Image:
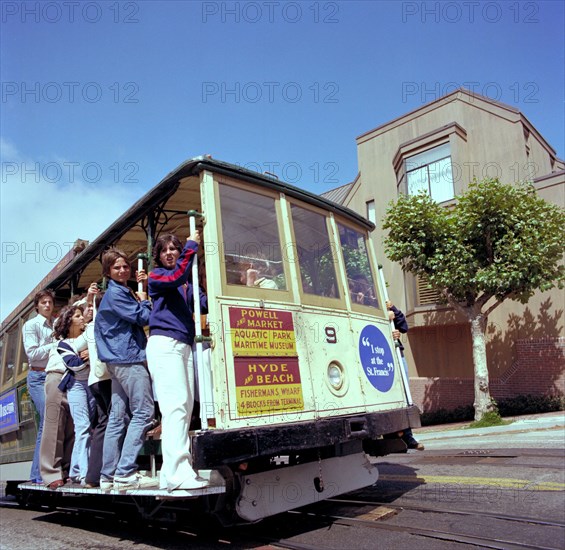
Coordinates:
267	375
267	386
262	333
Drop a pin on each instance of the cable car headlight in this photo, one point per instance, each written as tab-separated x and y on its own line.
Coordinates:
335	375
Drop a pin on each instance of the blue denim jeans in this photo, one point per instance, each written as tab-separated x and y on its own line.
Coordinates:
36	388
81	404
131	414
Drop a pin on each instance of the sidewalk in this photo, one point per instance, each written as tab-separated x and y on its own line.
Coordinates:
526	423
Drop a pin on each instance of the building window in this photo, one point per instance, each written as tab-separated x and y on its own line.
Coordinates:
430	171
371	216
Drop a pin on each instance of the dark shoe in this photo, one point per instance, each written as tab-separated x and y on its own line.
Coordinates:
92	485
54	485
415	445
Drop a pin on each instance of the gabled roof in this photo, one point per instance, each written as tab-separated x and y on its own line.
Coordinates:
339	194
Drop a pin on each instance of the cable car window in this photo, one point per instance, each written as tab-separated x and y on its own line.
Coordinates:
359	277
23	366
252	247
315	255
11	351
2	349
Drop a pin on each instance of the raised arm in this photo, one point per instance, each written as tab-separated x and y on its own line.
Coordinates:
399	319
162	278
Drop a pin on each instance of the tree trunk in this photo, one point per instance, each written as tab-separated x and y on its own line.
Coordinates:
482	402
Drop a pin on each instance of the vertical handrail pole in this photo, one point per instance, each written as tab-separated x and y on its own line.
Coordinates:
140	258
204	383
396	343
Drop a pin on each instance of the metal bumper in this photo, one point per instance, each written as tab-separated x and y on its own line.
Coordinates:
215	448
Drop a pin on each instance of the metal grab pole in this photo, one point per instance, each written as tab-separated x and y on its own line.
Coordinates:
140	258
204	378
403	374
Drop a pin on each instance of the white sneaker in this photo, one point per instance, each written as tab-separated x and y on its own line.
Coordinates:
191	484
135	481
106	484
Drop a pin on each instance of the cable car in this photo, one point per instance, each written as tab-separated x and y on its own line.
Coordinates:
299	381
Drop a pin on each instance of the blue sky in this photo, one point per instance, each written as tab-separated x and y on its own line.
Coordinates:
100	100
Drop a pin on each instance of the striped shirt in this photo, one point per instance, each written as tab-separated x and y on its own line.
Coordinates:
69	350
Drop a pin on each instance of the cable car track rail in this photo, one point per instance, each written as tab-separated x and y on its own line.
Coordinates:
430	533
505	517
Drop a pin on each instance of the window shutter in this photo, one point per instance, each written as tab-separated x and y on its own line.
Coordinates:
426	294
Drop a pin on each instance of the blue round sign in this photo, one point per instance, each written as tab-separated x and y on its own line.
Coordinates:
376	358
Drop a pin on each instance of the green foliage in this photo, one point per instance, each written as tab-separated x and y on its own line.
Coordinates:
445	416
498	240
356	262
490	418
513	406
318	271
531	404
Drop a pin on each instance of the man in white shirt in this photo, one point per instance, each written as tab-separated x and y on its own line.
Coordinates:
38	342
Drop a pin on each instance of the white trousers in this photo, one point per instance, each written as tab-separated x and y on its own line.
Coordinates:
171	367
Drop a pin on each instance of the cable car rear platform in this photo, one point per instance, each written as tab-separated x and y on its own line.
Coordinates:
254	496
216	485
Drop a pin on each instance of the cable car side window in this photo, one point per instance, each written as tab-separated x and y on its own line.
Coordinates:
252	248
23	366
316	257
11	353
359	276
3	340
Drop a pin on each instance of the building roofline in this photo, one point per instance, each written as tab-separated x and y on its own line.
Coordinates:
336	188
454	96
443	99
549	176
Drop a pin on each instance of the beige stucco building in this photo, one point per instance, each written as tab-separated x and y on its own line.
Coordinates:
441	147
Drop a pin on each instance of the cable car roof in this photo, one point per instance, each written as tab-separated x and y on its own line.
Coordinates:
198	164
163	191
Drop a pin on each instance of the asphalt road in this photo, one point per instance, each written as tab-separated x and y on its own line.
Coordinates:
502	484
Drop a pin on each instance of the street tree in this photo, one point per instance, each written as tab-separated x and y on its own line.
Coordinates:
497	242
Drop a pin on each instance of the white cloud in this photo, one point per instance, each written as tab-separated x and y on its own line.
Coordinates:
46	206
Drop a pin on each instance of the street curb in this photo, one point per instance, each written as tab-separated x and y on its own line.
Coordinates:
519	424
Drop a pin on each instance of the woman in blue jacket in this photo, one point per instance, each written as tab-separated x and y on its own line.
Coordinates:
169	355
120	341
